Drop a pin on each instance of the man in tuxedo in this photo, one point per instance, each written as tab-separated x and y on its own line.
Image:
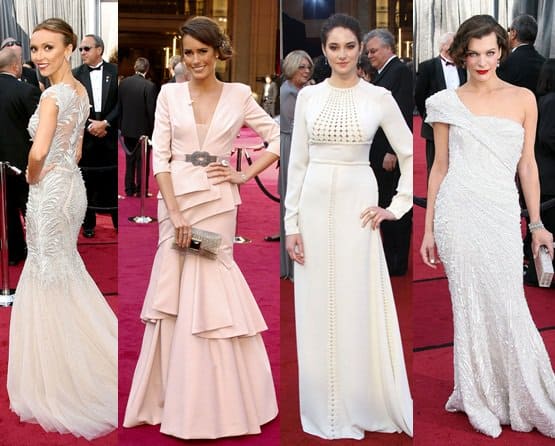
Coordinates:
137	102
18	101
522	66
434	75
27	74
100	155
395	76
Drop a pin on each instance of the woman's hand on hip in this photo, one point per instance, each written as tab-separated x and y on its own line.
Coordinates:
182	229
542	237
295	249
220	173
428	251
42	174
375	215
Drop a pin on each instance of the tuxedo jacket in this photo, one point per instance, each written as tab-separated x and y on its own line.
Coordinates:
397	78
545	143
101	151
137	102
29	76
429	80
522	67
18	101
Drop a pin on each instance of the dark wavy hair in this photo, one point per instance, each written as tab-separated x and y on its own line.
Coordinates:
477	27
340	21
207	31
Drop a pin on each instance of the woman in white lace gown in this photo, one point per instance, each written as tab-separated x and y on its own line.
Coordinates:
352	375
484	133
62	369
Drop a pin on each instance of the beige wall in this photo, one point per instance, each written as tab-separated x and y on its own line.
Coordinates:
253	33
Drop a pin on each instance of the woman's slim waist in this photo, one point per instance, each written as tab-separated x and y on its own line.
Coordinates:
336	162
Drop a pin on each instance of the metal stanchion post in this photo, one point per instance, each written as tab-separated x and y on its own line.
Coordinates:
142	218
6	294
240	238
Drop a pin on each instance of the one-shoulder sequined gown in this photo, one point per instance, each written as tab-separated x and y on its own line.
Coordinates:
62	369
502	371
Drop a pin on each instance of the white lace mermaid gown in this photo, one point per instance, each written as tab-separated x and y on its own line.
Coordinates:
502	371
62	369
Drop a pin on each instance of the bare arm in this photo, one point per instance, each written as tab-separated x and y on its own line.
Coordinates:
48	116
528	175
437	174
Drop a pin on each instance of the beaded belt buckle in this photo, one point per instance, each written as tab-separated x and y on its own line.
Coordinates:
200	158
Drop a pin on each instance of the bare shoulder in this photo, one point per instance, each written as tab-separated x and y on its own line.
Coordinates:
519	95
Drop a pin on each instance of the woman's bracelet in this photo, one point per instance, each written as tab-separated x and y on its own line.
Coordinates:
243	177
536	226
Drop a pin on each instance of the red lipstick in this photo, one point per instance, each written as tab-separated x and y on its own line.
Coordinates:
482	71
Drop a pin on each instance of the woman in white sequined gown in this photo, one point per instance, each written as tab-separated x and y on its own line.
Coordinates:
352	375
484	133
62	369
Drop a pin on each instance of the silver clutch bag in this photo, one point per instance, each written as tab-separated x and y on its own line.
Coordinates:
203	243
544	267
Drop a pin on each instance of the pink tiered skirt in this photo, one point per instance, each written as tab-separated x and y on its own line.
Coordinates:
203	371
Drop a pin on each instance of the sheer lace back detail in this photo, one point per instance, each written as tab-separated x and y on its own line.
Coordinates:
73	110
338	122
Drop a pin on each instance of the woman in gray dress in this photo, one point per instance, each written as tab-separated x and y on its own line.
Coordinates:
297	69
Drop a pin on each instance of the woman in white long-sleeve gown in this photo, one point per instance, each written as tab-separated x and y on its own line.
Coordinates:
352	375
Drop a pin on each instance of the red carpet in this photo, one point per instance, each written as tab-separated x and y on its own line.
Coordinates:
259	262
99	254
433	337
291	432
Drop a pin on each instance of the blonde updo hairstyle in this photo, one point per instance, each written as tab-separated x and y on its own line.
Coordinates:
207	31
58	26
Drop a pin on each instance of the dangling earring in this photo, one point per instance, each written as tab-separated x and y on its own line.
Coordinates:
325	60
67	58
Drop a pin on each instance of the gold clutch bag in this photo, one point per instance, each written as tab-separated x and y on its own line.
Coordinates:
203	243
544	267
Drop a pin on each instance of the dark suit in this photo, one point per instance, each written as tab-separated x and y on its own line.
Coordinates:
429	80
29	76
18	101
137	102
522	67
100	156
397	78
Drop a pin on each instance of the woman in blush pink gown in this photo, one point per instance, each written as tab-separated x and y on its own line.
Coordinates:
203	371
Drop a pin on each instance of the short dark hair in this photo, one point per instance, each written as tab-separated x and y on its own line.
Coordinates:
477	27
525	27
340	21
141	65
546	79
207	31
97	41
59	26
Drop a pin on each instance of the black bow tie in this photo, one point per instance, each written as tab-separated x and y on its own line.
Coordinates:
447	63
96	68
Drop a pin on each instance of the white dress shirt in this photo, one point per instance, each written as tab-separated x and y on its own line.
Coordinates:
96	85
451	74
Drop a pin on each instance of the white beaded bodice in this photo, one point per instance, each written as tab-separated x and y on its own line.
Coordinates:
57	203
338	121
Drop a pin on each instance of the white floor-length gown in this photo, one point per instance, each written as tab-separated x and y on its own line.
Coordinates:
352	375
502	371
63	354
